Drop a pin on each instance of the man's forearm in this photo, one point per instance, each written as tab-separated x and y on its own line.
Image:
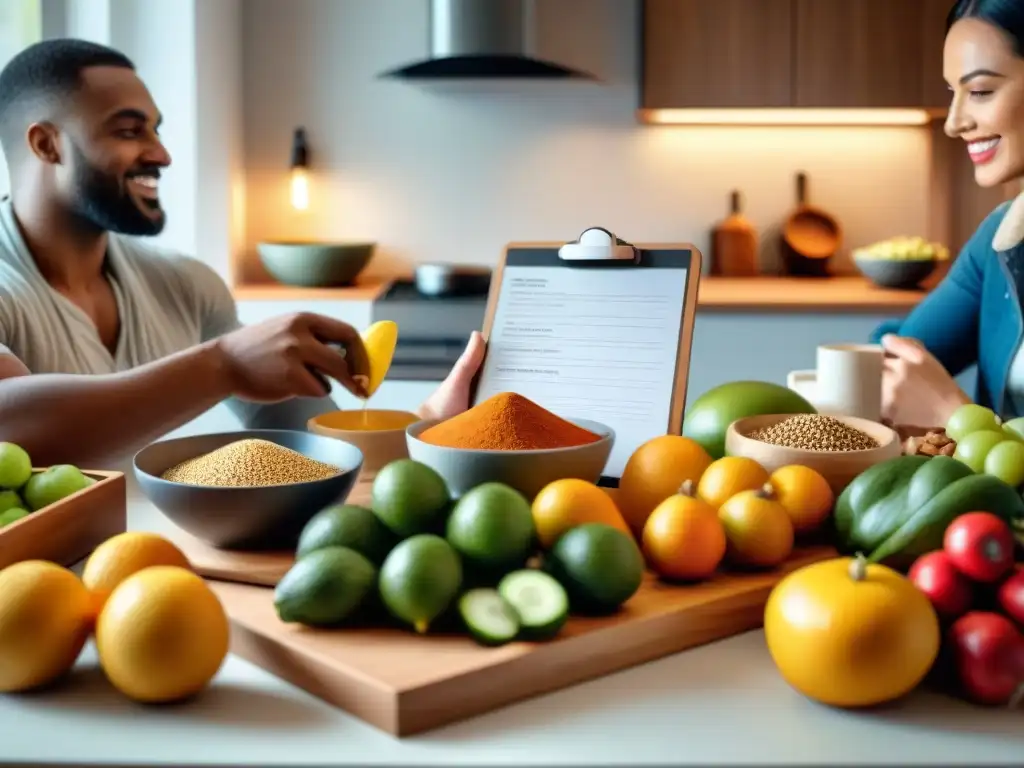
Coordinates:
87	420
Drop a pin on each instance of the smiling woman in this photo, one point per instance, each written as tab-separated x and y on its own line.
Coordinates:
984	65
974	316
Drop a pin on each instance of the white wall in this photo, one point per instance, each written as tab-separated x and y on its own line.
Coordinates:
21	24
455	171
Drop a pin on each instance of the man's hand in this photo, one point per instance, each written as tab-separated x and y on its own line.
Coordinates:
452	397
290	356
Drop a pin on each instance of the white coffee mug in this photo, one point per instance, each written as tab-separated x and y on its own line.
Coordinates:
849	380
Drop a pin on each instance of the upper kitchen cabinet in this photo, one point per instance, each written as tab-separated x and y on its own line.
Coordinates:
717	53
783	54
867	53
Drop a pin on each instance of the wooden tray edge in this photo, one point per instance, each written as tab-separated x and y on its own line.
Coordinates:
66	532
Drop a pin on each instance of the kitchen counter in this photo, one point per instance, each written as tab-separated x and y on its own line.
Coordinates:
721	703
725	294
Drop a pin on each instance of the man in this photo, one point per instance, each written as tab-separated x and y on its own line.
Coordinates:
105	344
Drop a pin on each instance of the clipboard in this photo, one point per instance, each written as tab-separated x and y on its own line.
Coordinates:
597	328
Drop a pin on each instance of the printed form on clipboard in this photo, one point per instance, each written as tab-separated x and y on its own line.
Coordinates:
595	329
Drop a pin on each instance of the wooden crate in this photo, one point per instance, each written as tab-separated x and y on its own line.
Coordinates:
67	531
404	684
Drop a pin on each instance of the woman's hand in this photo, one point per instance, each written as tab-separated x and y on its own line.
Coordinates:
916	389
452	396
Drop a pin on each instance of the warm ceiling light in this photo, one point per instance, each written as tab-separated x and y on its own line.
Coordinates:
796	116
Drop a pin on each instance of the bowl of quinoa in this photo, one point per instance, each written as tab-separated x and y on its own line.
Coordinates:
838	447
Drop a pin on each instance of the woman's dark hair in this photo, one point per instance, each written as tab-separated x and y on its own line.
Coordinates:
1007	15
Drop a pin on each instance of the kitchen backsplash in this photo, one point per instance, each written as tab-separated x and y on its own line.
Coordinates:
455	171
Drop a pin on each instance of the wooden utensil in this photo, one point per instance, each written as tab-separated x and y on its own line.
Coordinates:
810	237
734	244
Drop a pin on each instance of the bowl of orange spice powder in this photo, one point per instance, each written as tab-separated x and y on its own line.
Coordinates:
510	439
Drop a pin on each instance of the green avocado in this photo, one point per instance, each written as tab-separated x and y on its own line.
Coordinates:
711	414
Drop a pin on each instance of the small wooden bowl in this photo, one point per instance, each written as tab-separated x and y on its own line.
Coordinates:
379	434
839	468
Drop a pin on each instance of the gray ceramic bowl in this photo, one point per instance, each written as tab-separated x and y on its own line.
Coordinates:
893	273
315	265
526	471
253	518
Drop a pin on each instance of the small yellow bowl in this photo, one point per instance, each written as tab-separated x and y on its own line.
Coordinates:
378	433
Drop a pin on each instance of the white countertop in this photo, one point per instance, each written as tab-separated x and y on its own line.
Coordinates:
722	703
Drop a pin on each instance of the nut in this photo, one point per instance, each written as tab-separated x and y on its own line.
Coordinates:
933	443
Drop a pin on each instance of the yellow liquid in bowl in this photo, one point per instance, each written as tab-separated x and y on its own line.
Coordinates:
366	420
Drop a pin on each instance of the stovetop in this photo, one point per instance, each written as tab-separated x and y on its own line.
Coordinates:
404	289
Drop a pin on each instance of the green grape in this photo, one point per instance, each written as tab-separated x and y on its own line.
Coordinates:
1006	461
974	448
1015	428
971	418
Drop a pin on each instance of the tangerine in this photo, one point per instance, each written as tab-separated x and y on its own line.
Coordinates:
566	503
758	529
728	476
805	494
655	471
683	538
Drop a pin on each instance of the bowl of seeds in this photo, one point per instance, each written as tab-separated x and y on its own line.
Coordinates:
248	490
837	447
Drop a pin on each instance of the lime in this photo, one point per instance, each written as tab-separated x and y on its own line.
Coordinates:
325	587
12	515
419	579
600	567
10	500
53	484
492	528
15	466
409	497
347	525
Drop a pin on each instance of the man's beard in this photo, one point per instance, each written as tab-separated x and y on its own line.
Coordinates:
102	201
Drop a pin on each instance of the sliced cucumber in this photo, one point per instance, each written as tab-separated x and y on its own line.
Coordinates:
540	601
490	620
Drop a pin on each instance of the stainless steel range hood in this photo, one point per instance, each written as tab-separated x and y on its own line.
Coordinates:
488	39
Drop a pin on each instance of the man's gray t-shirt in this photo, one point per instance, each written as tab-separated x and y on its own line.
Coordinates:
166	303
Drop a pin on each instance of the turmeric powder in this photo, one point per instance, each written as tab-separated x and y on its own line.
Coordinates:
507	422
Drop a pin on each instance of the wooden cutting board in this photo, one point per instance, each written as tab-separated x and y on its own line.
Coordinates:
405	684
263	569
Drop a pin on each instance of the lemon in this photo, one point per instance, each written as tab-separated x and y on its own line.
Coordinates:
45	618
120	556
162	635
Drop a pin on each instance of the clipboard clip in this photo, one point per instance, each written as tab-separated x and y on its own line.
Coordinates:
599	244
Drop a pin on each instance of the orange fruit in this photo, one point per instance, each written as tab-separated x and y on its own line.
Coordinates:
120	556
655	471
758	529
683	538
566	503
162	635
728	476
805	494
45	618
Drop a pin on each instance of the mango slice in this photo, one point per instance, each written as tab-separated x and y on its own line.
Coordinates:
379	340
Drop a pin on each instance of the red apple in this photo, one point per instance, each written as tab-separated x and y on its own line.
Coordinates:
981	546
948	590
1011	595
988	658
